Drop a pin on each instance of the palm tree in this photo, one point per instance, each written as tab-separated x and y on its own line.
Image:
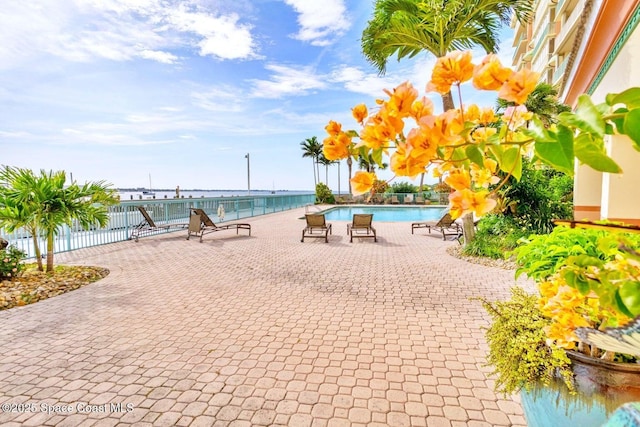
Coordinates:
42	203
543	102
369	165
350	167
311	147
407	28
326	162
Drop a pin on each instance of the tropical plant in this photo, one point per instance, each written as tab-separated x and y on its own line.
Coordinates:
542	101
11	262
324	194
322	160
44	202
369	164
407	28
586	278
519	352
311	147
496	236
402	187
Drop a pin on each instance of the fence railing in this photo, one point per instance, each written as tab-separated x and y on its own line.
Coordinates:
125	216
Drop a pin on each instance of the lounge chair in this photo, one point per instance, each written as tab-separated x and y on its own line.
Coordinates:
408	200
394	200
149	226
317	227
446	225
361	227
200	224
419	200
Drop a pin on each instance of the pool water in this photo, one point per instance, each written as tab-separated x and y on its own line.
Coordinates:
386	213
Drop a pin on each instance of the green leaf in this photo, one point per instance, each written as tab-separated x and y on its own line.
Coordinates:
376	155
352	133
618	121
621	306
576	281
630	98
592	153
558	153
629	294
587	117
631	126
590	119
538	132
475	155
512	162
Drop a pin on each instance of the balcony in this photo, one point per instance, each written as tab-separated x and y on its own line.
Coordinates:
520	48
568	29
560	70
563	5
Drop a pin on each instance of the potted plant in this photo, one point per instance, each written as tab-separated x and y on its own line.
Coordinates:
549	345
475	151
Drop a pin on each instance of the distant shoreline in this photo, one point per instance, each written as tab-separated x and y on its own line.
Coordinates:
165	190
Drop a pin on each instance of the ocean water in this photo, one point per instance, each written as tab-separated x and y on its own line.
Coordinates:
160	194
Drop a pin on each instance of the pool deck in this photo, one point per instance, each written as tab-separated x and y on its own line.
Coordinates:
260	330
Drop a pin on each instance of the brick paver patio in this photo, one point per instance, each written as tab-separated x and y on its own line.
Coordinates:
261	330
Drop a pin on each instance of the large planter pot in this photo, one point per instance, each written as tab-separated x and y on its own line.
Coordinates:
601	388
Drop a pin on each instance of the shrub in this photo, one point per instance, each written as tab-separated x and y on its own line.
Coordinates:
496	236
402	187
540	256
324	194
11	262
518	347
539	197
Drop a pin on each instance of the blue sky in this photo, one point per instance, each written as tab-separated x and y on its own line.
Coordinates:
181	90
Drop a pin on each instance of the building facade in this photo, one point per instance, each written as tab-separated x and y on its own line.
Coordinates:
590	46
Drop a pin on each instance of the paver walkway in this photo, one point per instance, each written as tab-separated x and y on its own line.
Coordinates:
260	330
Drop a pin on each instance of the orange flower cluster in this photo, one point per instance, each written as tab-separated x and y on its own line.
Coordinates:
443	139
569	309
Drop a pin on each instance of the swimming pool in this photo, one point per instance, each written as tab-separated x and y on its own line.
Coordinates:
386	213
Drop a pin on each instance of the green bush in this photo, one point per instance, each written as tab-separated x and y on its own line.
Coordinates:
402	187
541	195
11	262
540	256
496	236
324	194
518	348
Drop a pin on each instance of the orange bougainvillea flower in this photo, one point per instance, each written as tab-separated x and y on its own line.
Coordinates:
362	182
466	201
472	113
333	128
402	164
455	67
458	179
360	113
420	144
490	74
376	136
336	147
483	177
517	116
518	87
401	99
483	134
421	108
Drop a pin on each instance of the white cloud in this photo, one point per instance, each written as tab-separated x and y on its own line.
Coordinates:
321	22
219	36
160	56
287	80
119	30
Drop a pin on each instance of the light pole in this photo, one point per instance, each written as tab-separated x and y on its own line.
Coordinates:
248	175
